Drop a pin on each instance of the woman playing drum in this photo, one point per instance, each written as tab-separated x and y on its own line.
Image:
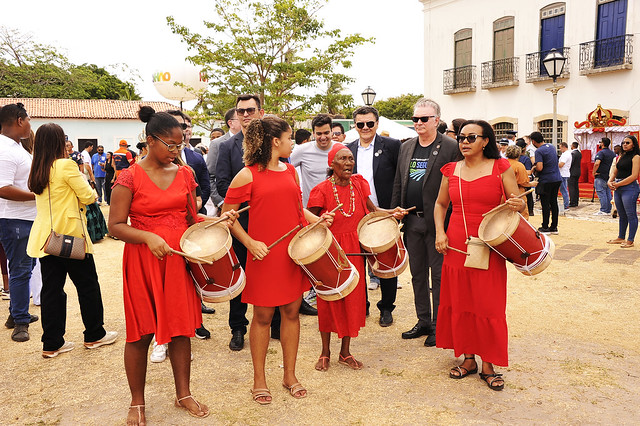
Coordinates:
471	317
347	315
159	295
272	189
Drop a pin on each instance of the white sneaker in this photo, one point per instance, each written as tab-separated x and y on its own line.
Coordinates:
66	347
108	339
373	285
601	213
399	285
159	353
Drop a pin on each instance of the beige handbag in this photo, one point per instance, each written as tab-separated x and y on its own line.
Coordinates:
62	245
477	251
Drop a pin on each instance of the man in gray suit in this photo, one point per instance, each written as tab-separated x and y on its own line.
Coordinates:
231	119
417	183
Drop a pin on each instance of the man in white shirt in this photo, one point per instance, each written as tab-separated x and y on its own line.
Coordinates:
564	163
17	213
312	157
86	161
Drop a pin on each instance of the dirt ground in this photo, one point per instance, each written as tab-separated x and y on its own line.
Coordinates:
574	351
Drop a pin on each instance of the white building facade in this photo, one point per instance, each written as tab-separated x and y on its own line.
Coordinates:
483	60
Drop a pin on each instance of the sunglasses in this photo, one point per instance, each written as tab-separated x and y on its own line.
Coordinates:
184	126
337	133
423	119
171	147
248	111
369	124
627	143
470	138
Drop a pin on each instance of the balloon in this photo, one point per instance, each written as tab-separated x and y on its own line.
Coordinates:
191	80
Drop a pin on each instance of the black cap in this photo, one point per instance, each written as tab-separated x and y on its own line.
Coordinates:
511	132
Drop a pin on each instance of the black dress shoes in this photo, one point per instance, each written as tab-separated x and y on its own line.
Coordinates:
386	319
237	340
307	309
415	332
207	310
431	340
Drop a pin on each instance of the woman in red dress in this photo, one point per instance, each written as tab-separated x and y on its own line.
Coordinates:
345	316
159	296
273	191
471	317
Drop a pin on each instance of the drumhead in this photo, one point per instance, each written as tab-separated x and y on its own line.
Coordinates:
379	236
307	247
204	242
496	227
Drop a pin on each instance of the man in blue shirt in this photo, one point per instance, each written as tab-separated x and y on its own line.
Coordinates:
97	162
549	179
604	159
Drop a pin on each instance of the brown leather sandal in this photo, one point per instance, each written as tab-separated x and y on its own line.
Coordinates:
294	390
192	413
261	393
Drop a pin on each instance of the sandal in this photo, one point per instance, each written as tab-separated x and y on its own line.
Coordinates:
295	389
626	244
261	393
192	413
344	361
140	410
460	374
324	365
616	241
494	377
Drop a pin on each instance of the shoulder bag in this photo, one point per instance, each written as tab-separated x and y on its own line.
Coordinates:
66	246
477	251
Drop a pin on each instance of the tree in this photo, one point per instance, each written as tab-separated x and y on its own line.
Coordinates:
266	48
32	70
397	108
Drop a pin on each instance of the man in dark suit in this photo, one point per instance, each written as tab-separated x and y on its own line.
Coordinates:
376	158
417	183
192	158
232	122
574	175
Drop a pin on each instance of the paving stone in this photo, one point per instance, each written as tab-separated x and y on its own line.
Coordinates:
623	256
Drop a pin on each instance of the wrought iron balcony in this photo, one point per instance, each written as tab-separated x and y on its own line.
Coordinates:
607	54
536	70
501	72
459	80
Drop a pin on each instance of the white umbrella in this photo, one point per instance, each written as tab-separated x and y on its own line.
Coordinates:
396	131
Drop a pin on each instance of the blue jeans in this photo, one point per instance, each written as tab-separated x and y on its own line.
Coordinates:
14	234
604	194
565	192
99	187
626	198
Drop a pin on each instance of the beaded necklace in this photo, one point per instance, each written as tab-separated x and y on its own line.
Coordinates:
352	197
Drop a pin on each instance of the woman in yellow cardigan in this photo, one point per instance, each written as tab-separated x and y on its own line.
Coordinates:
61	197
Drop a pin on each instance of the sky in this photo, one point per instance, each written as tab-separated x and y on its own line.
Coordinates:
135	33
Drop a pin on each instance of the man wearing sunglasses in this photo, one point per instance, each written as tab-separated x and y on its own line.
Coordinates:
416	184
376	158
337	133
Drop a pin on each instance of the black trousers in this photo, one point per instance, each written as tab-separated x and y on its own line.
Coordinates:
549	201
388	292
574	191
54	300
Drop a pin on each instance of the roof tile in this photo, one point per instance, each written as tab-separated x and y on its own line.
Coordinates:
85	108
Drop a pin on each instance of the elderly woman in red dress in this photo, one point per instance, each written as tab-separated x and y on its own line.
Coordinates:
345	316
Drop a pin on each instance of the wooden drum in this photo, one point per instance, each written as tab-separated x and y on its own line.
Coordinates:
383	240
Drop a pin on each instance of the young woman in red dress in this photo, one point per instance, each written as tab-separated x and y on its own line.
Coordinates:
345	316
471	317
158	197
273	191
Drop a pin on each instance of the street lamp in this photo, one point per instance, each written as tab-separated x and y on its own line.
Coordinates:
368	96
554	64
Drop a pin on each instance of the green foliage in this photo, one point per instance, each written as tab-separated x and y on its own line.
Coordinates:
266	48
31	70
397	108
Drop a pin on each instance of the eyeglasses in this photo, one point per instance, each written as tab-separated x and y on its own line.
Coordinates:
171	147
470	138
423	119
337	133
369	124
248	111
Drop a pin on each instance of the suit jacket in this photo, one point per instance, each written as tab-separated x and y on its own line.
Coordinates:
212	158
69	192
576	158
196	161
445	150
228	165
385	160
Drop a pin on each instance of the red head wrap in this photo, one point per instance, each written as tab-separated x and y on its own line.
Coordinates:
334	150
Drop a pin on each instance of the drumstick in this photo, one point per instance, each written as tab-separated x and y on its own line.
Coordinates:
244	209
188	256
359	254
459	251
387	216
282	238
322	219
504	204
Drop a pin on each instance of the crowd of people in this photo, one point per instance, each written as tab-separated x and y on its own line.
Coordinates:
438	184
